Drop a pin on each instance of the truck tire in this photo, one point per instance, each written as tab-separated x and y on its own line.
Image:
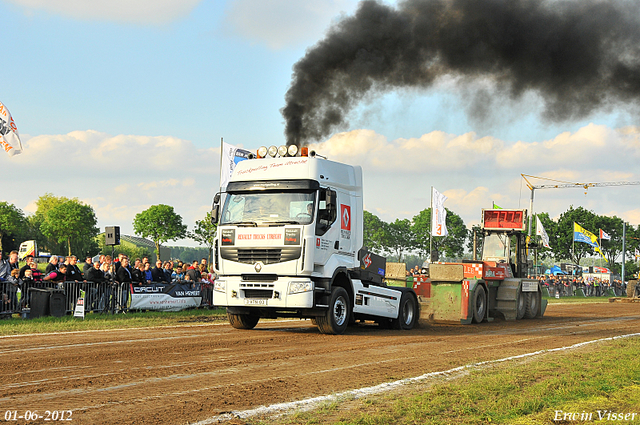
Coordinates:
521	304
532	304
336	319
479	304
407	313
243	321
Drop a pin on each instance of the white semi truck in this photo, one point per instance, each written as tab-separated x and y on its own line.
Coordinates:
290	244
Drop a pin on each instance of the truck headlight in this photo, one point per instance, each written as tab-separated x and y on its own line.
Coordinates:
220	285
297	287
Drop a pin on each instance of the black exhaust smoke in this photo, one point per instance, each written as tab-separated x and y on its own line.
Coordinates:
578	55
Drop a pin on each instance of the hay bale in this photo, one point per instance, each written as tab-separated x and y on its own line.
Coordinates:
396	271
446	272
631	288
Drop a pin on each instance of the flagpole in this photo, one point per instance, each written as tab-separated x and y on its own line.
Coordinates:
221	153
624	247
600	243
431	230
573	243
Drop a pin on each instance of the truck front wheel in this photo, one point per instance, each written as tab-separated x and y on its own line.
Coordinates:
243	321
336	319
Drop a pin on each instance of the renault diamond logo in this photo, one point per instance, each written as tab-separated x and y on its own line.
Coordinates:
258	267
346	217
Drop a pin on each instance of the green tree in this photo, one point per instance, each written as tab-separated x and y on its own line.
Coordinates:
12	221
204	233
374	232
451	245
477	231
398	237
563	246
72	222
160	224
613	227
43	205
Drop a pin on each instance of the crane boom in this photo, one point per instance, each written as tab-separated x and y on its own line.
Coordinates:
562	184
559	184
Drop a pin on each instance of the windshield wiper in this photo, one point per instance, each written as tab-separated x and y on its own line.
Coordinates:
281	222
242	223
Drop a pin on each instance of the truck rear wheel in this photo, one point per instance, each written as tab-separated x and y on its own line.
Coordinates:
521	304
243	321
479	304
532	304
336	319
407	314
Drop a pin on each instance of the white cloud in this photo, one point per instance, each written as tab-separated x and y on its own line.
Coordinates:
119	176
122	175
474	172
284	23
153	12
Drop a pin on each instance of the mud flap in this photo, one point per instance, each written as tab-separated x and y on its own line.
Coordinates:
507	298
543	307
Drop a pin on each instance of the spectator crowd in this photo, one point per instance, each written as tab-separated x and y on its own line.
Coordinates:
105	269
566	285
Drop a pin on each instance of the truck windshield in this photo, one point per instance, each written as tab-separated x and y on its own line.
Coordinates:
495	247
268	208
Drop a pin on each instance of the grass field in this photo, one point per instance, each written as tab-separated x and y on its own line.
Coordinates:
598	381
17	326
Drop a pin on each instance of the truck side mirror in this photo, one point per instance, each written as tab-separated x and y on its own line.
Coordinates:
215	210
329	199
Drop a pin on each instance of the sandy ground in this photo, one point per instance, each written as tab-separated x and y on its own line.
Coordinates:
193	372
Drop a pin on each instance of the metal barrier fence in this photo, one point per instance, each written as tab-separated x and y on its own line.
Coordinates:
104	297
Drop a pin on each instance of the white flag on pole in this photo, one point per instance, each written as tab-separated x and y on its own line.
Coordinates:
438	214
9	137
604	235
543	233
231	155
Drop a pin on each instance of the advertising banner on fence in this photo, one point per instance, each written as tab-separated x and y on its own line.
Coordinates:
165	297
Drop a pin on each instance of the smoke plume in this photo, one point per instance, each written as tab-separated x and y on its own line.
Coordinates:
578	55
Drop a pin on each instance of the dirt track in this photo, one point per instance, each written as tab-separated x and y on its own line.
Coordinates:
190	373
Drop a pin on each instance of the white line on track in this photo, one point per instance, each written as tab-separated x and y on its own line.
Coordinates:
310	403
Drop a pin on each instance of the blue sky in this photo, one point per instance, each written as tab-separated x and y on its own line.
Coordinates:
123	105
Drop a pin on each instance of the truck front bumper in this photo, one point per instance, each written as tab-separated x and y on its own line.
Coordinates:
284	293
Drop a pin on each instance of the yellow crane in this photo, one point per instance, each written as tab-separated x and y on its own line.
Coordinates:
559	184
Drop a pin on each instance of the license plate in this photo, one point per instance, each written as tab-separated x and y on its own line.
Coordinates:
529	286
249	301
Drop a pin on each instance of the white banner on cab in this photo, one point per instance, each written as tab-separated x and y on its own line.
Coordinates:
231	155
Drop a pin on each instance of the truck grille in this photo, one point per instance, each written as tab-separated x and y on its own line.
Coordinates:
258	293
265	255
